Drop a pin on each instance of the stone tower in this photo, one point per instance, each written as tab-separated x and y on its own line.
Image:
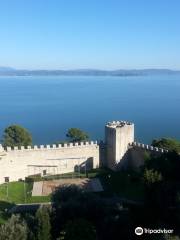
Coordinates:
118	136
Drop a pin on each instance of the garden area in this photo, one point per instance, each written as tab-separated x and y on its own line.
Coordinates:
123	184
126	185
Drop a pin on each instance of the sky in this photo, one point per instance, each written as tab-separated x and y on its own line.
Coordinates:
101	34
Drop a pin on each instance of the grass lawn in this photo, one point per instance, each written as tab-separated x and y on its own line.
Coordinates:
19	192
13	192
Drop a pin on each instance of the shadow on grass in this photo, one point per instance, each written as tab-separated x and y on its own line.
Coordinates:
4	210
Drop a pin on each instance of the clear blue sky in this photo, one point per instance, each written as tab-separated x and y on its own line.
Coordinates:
105	34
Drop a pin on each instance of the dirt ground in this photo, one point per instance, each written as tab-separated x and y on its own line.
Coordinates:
47	187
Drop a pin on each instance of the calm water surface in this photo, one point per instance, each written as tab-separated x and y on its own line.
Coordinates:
48	106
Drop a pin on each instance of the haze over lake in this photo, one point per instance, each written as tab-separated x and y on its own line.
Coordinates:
48	106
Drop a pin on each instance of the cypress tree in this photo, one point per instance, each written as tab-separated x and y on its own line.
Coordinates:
43	223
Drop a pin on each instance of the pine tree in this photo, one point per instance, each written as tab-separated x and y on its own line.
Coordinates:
43	223
14	229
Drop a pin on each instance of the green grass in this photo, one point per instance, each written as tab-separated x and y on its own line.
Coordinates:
19	192
39	199
90	174
13	192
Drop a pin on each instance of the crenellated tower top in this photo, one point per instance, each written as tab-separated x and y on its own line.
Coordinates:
116	124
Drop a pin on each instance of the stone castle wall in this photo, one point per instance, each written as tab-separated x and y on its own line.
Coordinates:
19	163
137	154
119	151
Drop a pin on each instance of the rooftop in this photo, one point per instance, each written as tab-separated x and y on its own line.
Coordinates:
115	124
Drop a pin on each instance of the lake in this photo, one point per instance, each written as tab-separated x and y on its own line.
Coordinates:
49	106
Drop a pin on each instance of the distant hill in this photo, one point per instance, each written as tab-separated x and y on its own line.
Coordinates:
8	71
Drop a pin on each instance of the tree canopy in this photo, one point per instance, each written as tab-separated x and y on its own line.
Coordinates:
16	135
64	193
152	176
77	135
161	186
168	165
78	229
43	223
167	143
14	228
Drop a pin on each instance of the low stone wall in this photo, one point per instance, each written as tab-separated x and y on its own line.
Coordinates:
17	163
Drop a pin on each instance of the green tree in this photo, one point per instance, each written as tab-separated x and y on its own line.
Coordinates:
14	229
77	135
72	202
167	143
167	164
161	186
31	224
79	229
66	193
16	136
151	176
170	237
43	223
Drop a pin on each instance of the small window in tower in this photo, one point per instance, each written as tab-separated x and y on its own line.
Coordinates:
44	172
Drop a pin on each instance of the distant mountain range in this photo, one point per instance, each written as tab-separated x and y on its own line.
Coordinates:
8	71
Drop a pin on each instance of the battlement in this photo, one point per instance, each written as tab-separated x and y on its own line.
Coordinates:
49	147
148	147
19	162
117	124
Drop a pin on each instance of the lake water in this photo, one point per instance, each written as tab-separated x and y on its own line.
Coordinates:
48	106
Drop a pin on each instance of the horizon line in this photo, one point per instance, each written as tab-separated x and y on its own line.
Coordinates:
87	69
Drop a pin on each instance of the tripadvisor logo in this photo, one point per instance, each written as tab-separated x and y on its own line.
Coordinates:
139	231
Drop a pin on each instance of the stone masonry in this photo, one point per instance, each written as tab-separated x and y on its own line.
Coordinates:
118	151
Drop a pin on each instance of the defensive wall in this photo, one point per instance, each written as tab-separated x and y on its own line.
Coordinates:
137	152
119	151
17	163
